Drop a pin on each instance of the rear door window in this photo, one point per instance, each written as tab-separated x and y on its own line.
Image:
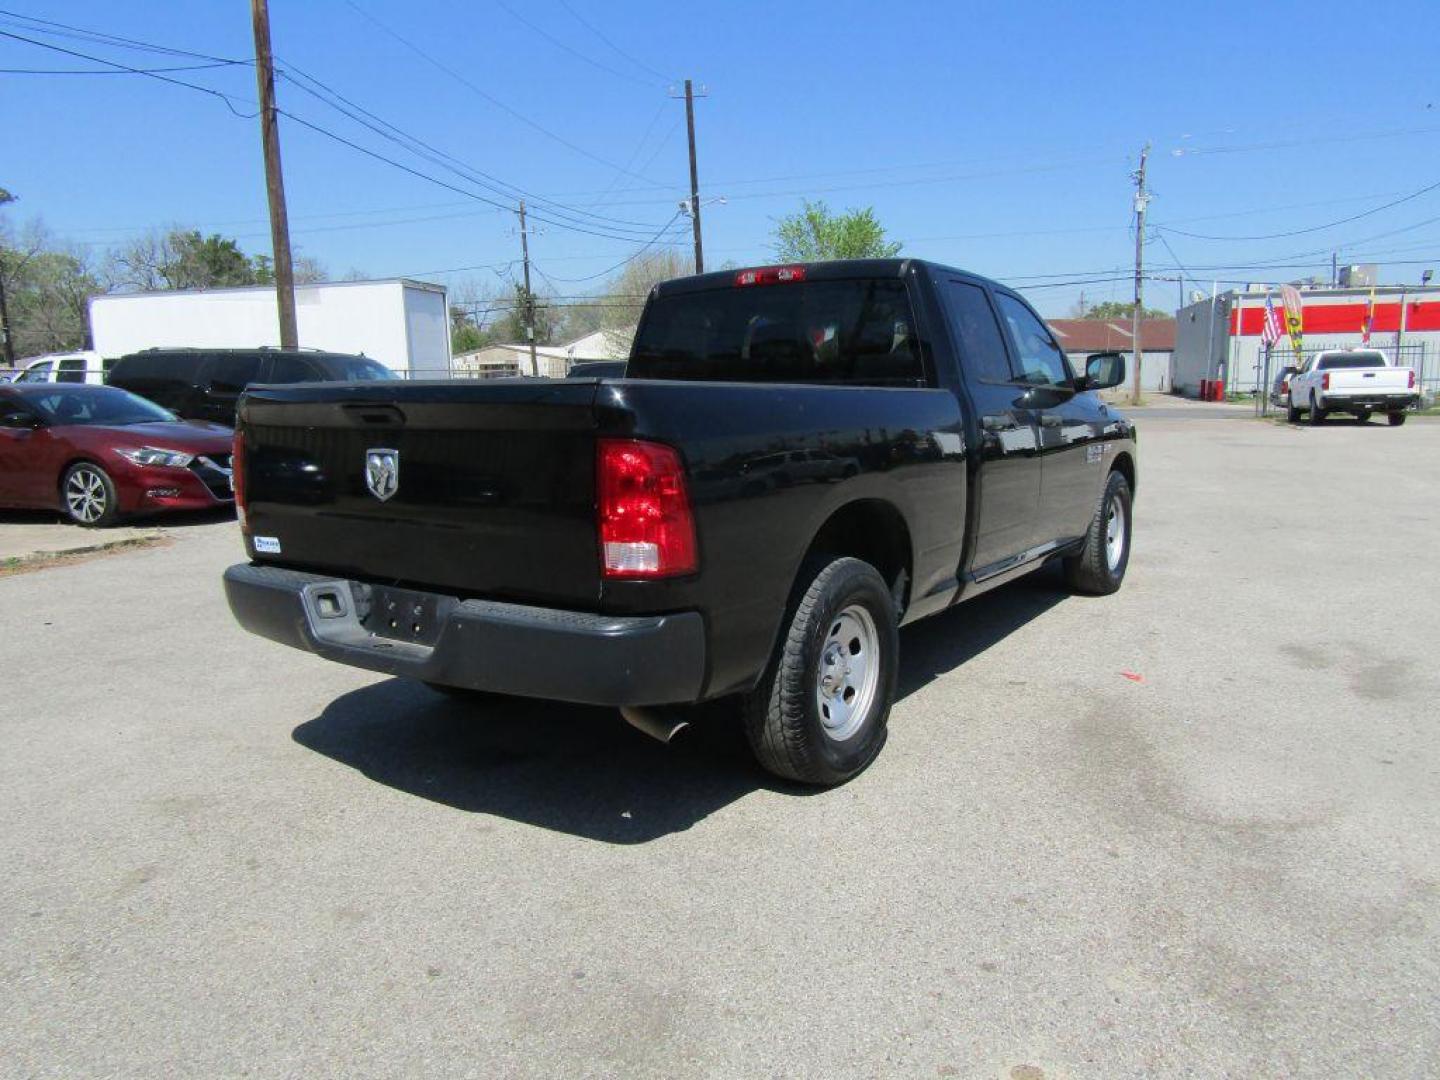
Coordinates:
982	345
230	374
291	369
71	370
859	332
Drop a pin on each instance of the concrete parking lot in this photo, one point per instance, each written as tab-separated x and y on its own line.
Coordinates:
1192	829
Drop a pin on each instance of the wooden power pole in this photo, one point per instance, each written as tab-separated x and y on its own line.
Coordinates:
1142	197
694	177
274	178
529	297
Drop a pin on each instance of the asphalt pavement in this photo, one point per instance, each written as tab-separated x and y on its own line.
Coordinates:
1191	829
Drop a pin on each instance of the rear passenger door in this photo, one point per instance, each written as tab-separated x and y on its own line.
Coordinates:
223	380
1009	474
1071	425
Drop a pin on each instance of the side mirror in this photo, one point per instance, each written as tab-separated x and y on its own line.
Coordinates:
1287	372
1104	370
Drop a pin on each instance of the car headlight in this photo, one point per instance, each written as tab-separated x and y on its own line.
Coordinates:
149	455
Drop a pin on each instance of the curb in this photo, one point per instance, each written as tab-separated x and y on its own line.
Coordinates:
145	540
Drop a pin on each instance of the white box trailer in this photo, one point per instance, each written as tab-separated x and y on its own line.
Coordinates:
401	323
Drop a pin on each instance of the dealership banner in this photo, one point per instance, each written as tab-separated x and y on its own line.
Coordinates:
1294	318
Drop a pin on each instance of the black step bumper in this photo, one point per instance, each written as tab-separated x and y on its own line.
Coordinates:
479	644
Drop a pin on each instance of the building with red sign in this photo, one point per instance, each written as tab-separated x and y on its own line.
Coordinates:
1220	338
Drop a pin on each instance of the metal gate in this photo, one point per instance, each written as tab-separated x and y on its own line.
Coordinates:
1416	356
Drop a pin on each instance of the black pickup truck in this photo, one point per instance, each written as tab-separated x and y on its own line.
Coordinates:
798	461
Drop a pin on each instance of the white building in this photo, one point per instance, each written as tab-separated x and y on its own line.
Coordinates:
403	324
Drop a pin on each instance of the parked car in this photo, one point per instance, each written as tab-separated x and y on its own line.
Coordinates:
597	369
85	366
1355	381
205	384
599	543
98	453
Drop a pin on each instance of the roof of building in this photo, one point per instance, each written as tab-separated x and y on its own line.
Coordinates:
1100	335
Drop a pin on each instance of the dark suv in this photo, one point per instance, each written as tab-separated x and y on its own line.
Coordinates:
205	384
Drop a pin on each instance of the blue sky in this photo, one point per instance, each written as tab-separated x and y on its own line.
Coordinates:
997	137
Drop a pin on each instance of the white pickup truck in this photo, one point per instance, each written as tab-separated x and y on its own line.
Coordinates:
1355	381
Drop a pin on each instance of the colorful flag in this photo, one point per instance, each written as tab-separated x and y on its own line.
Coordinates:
1294	319
1271	334
1369	322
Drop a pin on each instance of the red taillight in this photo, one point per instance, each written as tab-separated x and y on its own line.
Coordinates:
770	275
1411	384
643	511
1325	381
237	478
1285	386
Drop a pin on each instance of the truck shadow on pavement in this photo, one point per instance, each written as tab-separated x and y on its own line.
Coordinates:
584	771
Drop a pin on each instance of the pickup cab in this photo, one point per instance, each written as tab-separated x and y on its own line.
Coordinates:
798	461
1355	381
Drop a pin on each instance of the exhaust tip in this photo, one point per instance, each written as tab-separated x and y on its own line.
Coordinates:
656	723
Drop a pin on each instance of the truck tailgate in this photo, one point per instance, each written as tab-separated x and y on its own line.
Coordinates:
1376	380
494	492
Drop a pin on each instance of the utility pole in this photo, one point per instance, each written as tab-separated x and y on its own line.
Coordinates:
5	197
1142	197
274	179
694	177
529	298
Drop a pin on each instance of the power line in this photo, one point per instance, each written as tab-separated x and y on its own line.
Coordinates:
226	98
447	161
486	96
561	45
623	262
99	37
112	71
1314	228
616	48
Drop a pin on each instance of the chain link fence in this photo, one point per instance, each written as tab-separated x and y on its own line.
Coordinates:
1417	357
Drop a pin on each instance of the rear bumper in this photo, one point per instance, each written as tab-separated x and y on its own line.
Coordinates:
1379	402
479	644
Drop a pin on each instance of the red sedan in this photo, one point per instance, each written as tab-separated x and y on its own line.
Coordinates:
97	453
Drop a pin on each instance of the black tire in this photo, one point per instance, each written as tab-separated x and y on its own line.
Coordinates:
1317	414
87	496
1292	414
1363	416
790	735
1395	418
1093	571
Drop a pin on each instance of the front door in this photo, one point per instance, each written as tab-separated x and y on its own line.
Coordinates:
1071	427
1009	474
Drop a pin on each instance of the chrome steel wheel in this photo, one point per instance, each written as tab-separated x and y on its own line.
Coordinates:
848	672
85	495
1115	535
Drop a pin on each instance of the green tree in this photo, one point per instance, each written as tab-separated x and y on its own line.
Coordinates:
1114	309
47	289
815	234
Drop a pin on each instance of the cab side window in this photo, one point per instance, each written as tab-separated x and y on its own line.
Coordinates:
1041	361
972	319
231	374
291	369
71	370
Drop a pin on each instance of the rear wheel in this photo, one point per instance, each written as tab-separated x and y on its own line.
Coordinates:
1396	419
88	495
1317	414
819	713
1100	567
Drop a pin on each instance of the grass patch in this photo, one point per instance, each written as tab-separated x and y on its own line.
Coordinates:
44	560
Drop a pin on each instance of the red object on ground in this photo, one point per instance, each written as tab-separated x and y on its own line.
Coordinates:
1132	676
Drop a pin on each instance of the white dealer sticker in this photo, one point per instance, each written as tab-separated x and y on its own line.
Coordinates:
267	545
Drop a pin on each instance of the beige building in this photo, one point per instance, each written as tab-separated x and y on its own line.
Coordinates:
553	361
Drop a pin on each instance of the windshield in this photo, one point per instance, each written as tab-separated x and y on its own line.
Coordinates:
1351	360
860	332
109	407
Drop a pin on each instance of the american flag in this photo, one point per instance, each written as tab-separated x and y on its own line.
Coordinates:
1271	334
